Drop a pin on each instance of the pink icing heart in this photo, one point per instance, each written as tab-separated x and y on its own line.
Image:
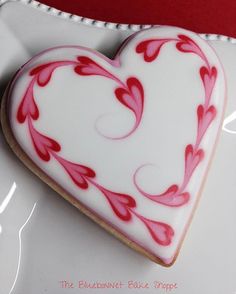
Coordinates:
87	67
45	71
204	119
132	97
208	77
161	232
120	203
28	106
43	144
78	173
171	197
186	44
192	159
151	48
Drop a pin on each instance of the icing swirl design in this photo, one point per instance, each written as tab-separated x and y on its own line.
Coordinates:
126	205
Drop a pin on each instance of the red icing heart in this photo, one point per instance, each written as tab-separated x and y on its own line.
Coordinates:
161	232
45	71
87	67
78	173
44	145
204	119
28	106
132	97
208	77
120	203
192	159
187	45
151	48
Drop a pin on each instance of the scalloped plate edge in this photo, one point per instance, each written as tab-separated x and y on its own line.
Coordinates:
103	24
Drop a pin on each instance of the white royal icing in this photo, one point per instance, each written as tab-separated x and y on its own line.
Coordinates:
130	138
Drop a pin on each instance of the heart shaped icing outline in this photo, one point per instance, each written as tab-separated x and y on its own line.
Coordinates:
124	205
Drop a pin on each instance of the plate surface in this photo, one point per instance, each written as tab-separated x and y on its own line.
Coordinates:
45	241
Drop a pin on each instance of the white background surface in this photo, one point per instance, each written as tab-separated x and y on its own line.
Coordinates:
44	240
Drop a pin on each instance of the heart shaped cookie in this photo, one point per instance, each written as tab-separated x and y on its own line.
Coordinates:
128	141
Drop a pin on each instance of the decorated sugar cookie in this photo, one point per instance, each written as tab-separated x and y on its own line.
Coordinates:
128	141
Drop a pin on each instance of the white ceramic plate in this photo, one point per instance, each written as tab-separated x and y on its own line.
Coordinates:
44	240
